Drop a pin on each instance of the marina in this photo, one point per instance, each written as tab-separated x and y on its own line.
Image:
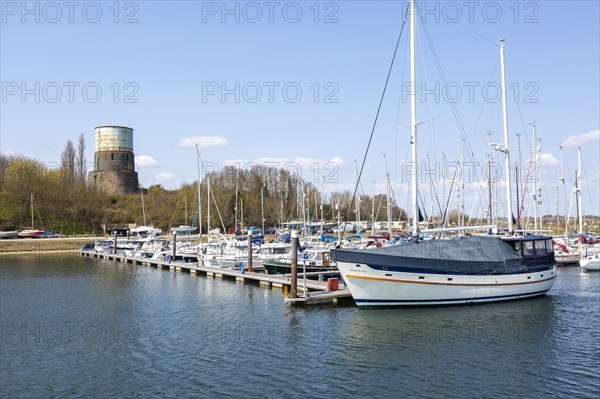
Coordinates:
322	199
316	292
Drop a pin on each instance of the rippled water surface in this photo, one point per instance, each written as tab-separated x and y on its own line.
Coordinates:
80	327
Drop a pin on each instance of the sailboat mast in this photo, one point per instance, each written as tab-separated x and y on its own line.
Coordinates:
413	115
373	210
236	199
562	179
208	206
199	195
539	193
462	184
579	208
387	199
509	214
535	181
262	208
143	208
357	203
322	206
32	226
519	179
489	177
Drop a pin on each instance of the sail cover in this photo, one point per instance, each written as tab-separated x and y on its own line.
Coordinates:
465	255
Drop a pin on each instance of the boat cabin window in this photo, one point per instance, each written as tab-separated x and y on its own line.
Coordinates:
549	246
516	245
540	247
528	249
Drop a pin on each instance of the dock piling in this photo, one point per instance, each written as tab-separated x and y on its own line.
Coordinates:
174	244
294	281
115	243
250	251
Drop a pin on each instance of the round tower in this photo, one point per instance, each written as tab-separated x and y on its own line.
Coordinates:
114	166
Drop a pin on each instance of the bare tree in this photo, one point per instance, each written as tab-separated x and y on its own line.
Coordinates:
81	161
67	162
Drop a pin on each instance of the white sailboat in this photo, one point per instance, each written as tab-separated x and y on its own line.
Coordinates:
30	233
145	230
470	269
589	261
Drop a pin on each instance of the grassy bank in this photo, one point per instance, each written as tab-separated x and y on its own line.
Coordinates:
40	245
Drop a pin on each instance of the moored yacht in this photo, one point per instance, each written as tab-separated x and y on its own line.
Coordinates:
470	269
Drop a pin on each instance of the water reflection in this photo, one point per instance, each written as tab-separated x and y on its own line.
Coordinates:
129	330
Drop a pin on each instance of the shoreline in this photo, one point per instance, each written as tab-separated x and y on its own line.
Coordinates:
46	245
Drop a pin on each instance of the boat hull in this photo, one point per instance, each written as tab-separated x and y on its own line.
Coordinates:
8	234
566	259
376	288
31	234
591	265
274	267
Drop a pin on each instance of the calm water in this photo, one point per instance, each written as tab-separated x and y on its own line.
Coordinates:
79	327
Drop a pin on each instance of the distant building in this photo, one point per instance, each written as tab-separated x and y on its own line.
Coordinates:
114	166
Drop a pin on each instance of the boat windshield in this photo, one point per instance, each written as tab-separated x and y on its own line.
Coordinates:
528	248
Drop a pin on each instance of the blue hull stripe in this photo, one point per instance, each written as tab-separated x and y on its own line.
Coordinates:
446	300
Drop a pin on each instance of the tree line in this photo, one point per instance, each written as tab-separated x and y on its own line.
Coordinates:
65	203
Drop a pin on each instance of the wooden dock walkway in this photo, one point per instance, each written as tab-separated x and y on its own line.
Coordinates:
316	291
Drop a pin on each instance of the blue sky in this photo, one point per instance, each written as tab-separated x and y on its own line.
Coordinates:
302	84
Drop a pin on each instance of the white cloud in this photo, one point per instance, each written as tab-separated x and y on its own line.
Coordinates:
164	177
337	160
548	159
203	141
145	161
580	139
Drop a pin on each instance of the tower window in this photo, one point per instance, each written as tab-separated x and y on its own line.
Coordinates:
112	156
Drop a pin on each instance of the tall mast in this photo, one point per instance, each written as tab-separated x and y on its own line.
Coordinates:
143	208
185	210
556	204
562	179
281	211
373	210
303	212
357	202
462	184
413	115
322	206
443	186
199	197
519	180
236	198
539	192
262	207
535	180
489	178
578	191
208	206
509	214
387	199
32	226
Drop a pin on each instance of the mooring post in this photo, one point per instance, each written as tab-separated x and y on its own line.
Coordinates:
115	243
174	244
294	282
250	251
